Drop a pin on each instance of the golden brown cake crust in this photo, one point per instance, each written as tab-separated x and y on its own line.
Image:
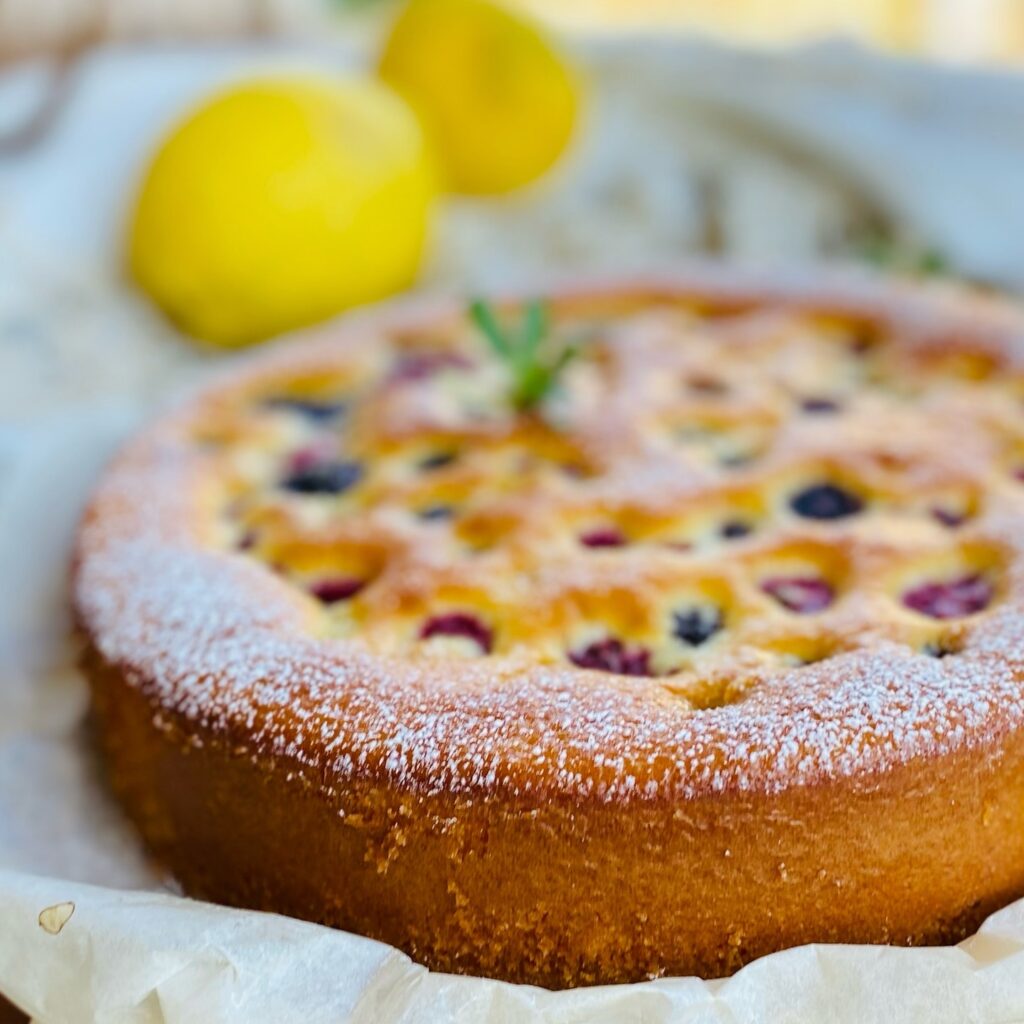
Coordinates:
812	730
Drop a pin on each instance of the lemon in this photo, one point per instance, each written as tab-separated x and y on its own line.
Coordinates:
497	98
279	203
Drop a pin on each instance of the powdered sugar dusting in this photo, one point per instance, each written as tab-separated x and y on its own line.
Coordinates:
233	653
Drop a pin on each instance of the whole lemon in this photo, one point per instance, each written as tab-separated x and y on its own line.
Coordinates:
279	203
498	99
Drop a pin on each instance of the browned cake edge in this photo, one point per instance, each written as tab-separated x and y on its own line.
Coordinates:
558	894
560	889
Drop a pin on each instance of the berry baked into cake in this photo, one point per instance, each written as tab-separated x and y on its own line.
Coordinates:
643	630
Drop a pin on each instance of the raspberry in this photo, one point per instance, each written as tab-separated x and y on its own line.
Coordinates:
421	365
247	541
336	588
603	537
459	624
612	655
706	385
953	600
801	594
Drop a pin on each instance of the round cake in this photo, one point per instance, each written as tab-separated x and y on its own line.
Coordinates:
641	630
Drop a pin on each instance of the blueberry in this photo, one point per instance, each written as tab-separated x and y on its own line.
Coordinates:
703	385
326	477
733	529
825	501
437	461
461	624
819	405
433	513
318	410
947	517
679	545
696	625
863	341
612	655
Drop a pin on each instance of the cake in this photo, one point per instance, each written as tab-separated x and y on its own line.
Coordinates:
710	645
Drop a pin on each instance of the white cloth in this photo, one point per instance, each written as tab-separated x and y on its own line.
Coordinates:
81	361
771	158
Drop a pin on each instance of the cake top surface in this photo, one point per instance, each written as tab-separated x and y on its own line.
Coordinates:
753	535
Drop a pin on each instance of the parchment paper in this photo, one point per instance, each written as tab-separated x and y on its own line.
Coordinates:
88	930
127	948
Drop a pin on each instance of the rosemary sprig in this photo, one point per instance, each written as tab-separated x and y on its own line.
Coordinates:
901	256
528	353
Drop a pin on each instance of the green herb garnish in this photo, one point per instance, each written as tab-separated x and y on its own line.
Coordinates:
529	354
905	257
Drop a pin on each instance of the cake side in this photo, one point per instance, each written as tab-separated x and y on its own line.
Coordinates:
557	894
696	666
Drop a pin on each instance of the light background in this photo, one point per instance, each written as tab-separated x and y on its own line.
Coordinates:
955	30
